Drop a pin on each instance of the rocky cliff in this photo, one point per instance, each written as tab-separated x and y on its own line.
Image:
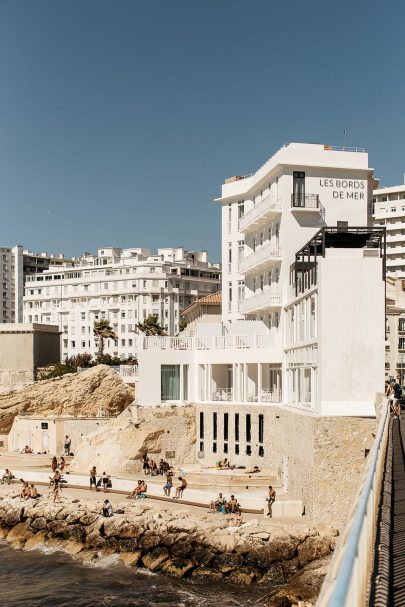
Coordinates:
290	561
73	394
157	431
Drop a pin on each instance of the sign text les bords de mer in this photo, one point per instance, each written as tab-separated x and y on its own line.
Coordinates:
344	188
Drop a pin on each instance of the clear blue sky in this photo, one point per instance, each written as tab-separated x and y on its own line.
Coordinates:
120	119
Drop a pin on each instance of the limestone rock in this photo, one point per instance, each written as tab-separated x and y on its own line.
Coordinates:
119	447
37	540
177	567
131	558
204	573
19	535
72	394
155	558
312	549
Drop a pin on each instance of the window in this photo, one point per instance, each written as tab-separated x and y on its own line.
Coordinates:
225	447
214	426
248	428
261	428
248	450
214	447
236	427
170	382
236	449
230	257
298	189
201	426
229	296
241	209
226	425
241	290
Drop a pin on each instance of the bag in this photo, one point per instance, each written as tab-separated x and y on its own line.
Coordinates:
100	480
397	391
109	484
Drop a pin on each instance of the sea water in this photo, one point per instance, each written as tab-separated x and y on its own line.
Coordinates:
47	579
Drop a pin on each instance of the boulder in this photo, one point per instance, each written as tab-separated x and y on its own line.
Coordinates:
154	559
131	559
72	394
227	562
313	548
39	523
36	541
178	568
19	534
204	573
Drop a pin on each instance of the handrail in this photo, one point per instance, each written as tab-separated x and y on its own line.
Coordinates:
346	583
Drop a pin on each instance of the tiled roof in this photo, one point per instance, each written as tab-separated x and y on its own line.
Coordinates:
212	299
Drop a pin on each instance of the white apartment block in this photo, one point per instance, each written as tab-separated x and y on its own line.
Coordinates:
15	264
389	212
301	303
268	215
122	285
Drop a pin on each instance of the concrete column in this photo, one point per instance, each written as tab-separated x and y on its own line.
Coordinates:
181	383
259	382
209	383
245	383
234	382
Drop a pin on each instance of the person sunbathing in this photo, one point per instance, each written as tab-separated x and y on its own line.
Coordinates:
141	488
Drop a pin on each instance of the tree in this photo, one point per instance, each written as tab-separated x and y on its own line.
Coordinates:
103	330
150	326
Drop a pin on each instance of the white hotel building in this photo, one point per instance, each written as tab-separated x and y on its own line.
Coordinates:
389	212
302	305
124	286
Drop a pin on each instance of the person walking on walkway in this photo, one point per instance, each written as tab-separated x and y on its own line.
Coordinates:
67	444
270	501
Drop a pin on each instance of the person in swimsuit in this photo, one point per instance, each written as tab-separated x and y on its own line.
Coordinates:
180	488
168	486
93	478
270	501
105	479
62	464
54	464
7	476
33	492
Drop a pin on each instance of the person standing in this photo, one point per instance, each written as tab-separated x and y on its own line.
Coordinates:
105	480
270	501
67	444
93	478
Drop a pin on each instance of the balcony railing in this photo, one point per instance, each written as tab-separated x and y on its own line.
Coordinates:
260	213
210	342
267	299
305	201
266	396
224	394
270	253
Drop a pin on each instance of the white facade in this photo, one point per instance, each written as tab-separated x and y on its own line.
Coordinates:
269	215
15	264
276	345
389	212
124	286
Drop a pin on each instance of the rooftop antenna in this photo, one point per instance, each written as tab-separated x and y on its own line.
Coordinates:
345	137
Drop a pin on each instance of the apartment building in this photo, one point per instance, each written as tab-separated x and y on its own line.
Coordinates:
124	286
16	263
389	212
270	214
267	347
395	329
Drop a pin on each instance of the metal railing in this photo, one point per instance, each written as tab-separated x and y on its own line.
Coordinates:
305	201
223	394
346	584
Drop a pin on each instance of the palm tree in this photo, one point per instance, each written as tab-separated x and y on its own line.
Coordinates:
150	326
103	330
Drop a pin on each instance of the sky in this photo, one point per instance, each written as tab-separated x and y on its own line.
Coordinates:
120	119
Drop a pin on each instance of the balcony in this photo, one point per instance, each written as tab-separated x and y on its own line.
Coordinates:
262	301
261	258
260	214
306	203
222	394
210	342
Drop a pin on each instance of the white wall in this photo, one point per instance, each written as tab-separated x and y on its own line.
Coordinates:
351	336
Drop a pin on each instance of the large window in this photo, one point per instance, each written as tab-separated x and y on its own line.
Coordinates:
170	382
